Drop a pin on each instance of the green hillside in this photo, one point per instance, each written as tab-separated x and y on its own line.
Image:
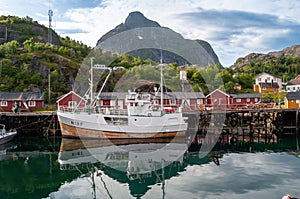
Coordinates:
27	59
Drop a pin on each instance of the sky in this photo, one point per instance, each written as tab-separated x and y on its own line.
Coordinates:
234	28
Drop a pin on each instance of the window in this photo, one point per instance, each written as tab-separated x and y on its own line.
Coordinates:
72	104
248	99
294	88
259	79
238	100
255	99
199	101
31	103
172	101
3	103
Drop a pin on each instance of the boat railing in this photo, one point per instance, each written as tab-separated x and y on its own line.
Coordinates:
106	111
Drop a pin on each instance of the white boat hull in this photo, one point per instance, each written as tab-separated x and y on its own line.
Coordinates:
95	125
7	137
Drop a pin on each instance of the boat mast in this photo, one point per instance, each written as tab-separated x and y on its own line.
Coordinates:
161	83
91	81
103	67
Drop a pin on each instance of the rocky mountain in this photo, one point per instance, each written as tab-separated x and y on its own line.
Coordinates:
293	51
137	21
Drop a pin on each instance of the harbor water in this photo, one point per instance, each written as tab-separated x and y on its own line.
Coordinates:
33	167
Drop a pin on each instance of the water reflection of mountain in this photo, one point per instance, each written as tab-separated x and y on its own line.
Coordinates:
138	164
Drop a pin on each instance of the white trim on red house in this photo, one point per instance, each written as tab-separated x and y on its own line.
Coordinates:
71	92
219	91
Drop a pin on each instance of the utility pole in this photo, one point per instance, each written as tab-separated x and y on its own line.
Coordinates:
49	87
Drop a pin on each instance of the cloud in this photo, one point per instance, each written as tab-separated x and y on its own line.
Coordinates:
243	31
233	28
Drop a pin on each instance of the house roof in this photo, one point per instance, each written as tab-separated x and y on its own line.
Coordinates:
217	90
71	92
269	85
246	95
294	82
24	96
293	95
185	95
113	95
265	74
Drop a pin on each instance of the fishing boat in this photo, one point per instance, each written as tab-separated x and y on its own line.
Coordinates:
143	117
6	136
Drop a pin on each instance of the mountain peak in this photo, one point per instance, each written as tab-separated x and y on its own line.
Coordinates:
137	19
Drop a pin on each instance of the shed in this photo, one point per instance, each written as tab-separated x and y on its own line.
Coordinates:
292	100
26	100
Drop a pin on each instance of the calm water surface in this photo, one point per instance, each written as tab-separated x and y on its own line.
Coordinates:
55	168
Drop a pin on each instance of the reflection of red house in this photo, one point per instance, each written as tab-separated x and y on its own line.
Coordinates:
70	100
29	101
218	98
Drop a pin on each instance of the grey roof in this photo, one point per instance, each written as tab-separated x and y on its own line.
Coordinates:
293	95
24	96
184	95
113	95
246	95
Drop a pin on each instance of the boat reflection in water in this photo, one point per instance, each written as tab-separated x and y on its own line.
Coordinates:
138	163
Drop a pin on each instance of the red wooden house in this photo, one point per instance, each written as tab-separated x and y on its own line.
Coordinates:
70	101
243	100
29	101
187	100
218	99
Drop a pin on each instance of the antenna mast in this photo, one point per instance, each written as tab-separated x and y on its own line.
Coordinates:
50	14
161	82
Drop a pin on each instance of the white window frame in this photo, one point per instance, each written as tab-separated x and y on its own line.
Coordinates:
72	104
238	100
256	99
31	103
199	101
248	100
3	103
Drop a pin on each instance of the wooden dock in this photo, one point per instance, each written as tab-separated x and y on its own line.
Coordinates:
259	125
37	123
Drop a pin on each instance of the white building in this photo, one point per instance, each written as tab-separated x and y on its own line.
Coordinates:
268	78
293	85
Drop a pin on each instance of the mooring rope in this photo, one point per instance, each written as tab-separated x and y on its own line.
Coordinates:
39	121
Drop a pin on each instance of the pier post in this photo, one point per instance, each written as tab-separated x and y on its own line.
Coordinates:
297	129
